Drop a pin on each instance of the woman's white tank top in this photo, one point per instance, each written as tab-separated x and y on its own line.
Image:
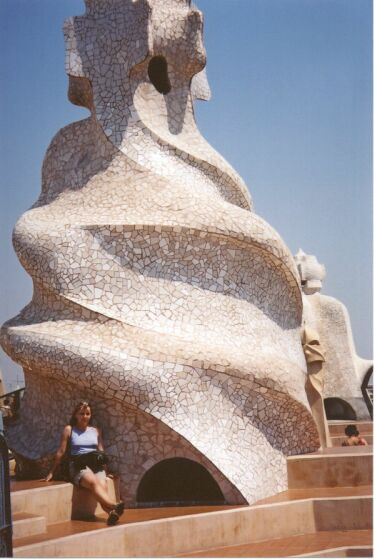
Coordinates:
83	442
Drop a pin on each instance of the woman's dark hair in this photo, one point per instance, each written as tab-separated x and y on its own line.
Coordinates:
351	430
77	408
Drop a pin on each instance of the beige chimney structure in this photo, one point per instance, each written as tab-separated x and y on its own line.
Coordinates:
159	294
342	371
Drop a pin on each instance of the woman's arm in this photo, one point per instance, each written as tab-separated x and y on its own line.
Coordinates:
100	444
60	452
100	447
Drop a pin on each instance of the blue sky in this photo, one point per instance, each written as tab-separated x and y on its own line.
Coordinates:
291	111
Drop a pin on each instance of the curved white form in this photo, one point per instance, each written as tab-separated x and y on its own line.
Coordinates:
158	293
343	370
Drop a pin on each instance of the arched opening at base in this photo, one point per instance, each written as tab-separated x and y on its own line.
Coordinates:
338	409
178	481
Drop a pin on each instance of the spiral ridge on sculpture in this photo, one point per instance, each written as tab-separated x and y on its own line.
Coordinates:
157	289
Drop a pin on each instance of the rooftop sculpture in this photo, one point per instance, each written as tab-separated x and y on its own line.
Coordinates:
342	372
158	293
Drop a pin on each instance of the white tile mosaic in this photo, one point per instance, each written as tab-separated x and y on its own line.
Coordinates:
343	371
158	293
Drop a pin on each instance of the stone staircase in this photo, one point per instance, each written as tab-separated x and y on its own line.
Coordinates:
326	512
336	428
27	524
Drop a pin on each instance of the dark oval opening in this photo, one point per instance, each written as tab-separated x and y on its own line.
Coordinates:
158	74
178	482
337	409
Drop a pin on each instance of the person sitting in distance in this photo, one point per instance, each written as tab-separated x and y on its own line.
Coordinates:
353	436
83	439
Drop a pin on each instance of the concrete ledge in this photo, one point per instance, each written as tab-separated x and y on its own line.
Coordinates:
341	552
52	502
338	440
325	471
184	535
58	503
337	427
25	525
343	514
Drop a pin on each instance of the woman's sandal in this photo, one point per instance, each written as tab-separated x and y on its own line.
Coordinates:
114	515
120	507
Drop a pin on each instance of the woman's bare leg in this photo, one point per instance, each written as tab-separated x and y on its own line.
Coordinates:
99	490
104	486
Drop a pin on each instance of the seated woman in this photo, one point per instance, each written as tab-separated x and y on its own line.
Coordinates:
353	436
83	439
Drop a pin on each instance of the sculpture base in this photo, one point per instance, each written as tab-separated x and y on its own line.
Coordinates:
238	461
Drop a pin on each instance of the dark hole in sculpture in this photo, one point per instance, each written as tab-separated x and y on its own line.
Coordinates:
338	409
178	482
158	74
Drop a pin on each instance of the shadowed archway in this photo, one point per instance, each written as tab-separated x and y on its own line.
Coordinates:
178	481
338	409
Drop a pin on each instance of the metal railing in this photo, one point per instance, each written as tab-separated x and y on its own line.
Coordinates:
6	550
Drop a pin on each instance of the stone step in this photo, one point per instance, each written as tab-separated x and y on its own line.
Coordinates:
359	551
322	543
57	501
195	532
340	466
66	529
305	493
338	440
337	427
52	500
27	524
